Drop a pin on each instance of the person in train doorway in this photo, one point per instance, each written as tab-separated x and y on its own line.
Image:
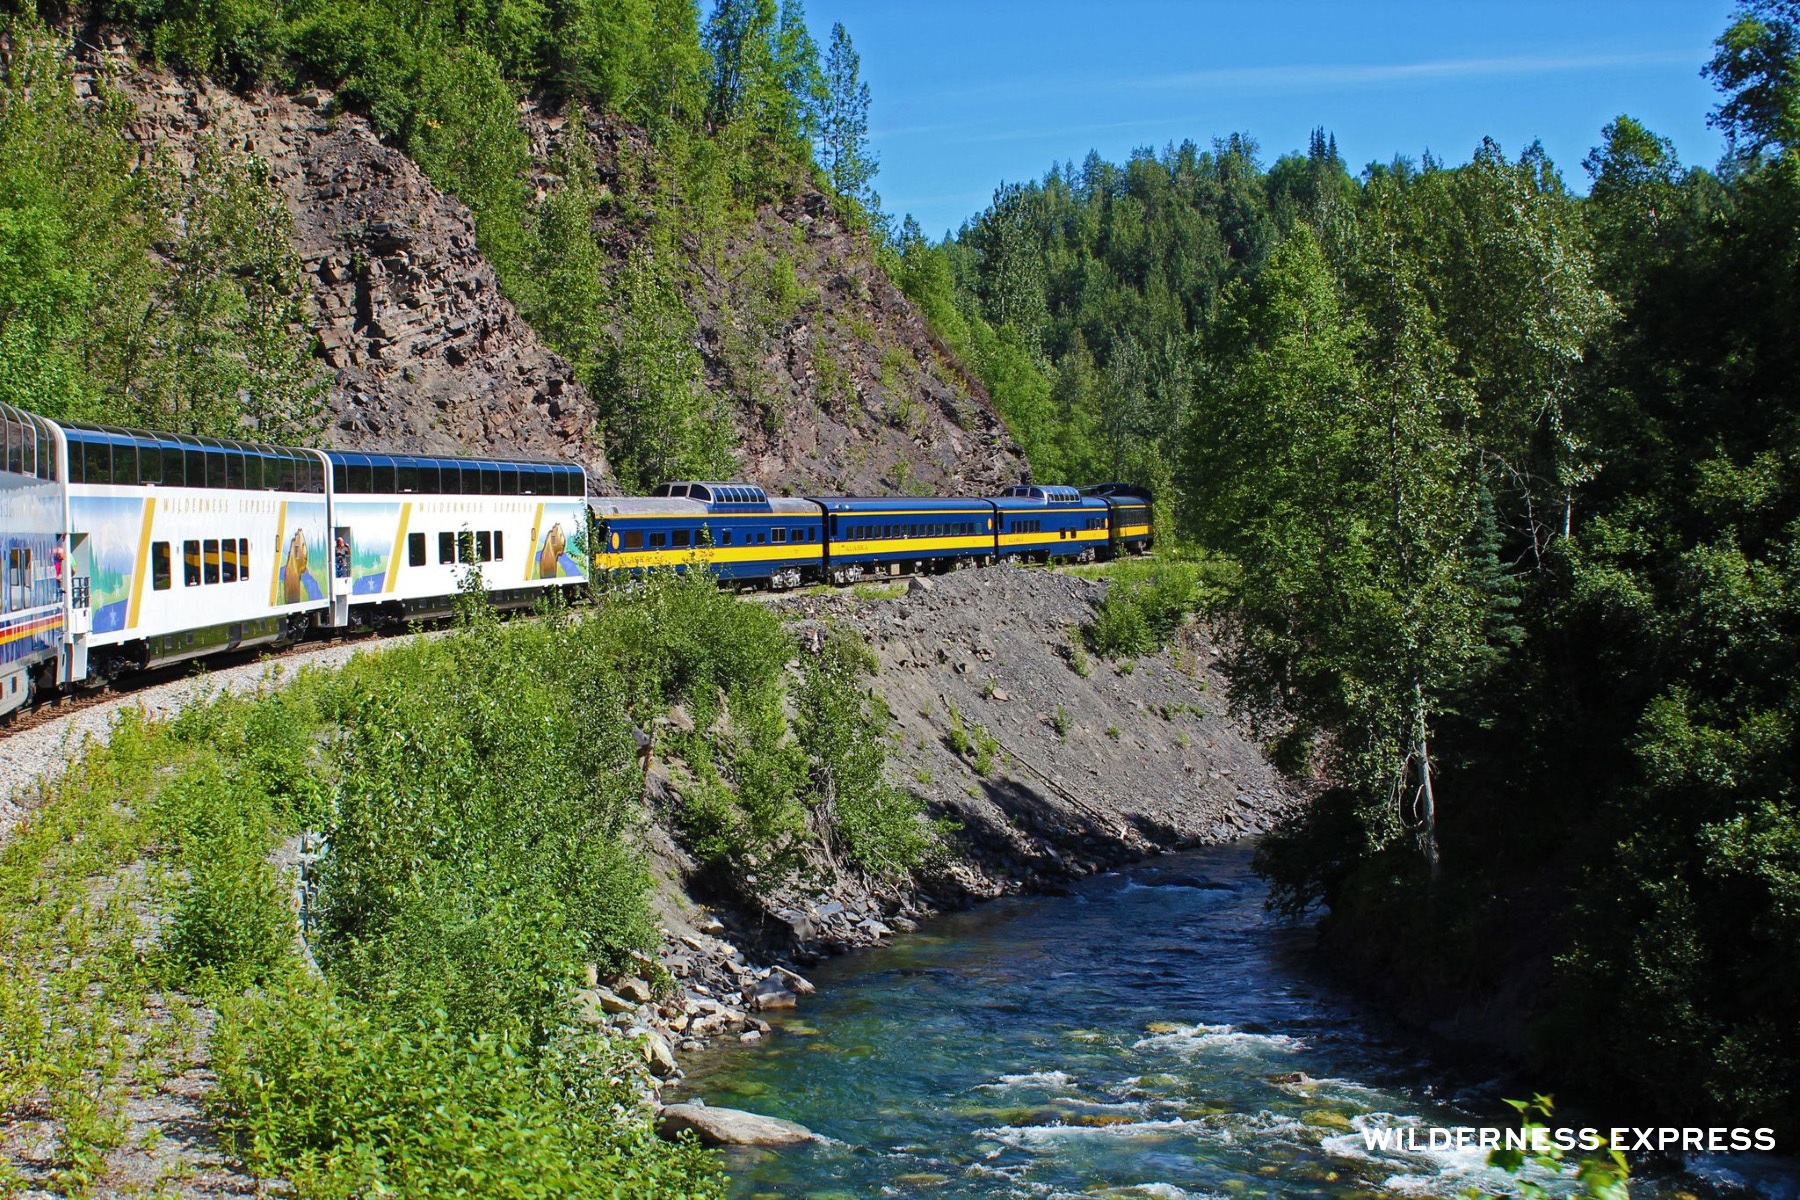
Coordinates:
343	557
57	558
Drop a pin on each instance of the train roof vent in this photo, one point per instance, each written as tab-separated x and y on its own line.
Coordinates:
1046	494
719	496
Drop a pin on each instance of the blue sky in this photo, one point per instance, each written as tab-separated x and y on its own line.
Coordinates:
970	94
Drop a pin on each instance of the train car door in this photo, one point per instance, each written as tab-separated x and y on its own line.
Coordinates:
343	549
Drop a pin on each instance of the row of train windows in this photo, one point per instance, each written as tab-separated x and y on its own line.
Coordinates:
140	464
478	546
448	478
922	529
680	539
25	587
203	561
27	450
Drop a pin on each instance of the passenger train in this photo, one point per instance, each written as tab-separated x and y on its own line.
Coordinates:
125	549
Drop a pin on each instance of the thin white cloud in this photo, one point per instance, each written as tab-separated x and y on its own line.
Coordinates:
1307	77
1334	75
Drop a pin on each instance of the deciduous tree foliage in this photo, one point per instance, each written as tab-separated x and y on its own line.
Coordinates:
1504	480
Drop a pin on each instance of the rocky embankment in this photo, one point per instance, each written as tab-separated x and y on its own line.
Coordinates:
1091	763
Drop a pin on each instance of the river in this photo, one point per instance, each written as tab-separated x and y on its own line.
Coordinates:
1151	1034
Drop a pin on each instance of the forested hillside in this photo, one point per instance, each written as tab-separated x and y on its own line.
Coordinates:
620	233
1504	478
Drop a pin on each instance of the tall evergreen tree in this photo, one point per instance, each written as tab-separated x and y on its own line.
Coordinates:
844	124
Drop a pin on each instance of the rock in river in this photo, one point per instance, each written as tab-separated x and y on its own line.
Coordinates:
730	1126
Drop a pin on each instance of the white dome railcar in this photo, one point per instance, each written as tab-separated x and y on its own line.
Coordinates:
125	549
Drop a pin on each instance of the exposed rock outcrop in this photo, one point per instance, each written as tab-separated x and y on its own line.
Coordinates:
837	384
423	351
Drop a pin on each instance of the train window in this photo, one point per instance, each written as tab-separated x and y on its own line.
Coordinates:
484	546
234	470
13	437
449	479
381	477
465	546
46	456
96	461
499	545
287	470
797	535
228	561
490	480
779	535
215	468
509	480
415	549
658	539
211	560
244	558
362	478
190	564
446	547
340	477
124	463
678	538
430	478
162	574
725	537
761	538
634	539
529	480
150	466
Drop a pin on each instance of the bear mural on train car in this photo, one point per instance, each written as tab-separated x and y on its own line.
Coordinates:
297	582
558	555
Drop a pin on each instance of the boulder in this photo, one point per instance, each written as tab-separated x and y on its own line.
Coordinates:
658	1056
769	993
797	983
636	991
730	1126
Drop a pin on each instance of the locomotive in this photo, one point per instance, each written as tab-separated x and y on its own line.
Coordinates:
126	549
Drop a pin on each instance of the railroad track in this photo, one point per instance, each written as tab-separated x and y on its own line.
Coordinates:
57	708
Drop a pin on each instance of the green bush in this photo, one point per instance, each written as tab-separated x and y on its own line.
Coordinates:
320	1091
1144	605
875	826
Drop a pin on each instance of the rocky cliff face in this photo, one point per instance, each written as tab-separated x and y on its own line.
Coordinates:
422	351
840	388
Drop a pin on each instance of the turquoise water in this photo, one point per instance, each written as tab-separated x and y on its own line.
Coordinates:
1152	1034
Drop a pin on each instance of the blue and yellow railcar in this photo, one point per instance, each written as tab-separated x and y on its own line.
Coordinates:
737	530
890	534
1128	514
1047	523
